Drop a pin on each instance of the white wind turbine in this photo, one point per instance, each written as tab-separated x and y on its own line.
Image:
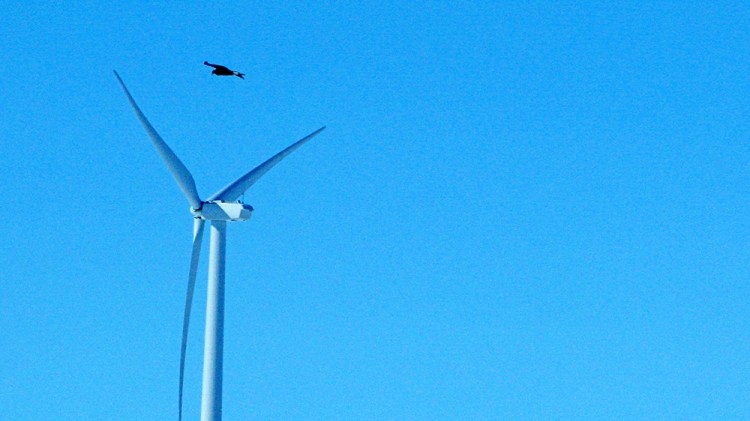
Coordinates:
219	208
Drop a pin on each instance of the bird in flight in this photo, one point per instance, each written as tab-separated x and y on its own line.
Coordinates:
220	70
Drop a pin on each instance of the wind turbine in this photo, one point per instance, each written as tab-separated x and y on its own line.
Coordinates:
221	207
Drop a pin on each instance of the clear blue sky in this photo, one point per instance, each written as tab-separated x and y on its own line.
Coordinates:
529	211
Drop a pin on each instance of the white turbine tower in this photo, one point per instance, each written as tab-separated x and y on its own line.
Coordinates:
219	208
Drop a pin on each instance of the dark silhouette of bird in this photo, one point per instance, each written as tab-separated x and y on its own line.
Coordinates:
220	70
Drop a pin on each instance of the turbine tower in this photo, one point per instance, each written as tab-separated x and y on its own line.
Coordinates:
219	208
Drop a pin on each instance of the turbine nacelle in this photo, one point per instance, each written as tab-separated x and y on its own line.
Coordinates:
223	211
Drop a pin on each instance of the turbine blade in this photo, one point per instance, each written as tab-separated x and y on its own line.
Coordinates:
235	189
197	239
176	167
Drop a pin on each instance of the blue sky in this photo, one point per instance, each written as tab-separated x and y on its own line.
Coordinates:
524	211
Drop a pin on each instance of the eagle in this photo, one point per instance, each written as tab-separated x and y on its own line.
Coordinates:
220	70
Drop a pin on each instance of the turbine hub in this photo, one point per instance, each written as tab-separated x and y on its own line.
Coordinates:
223	211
